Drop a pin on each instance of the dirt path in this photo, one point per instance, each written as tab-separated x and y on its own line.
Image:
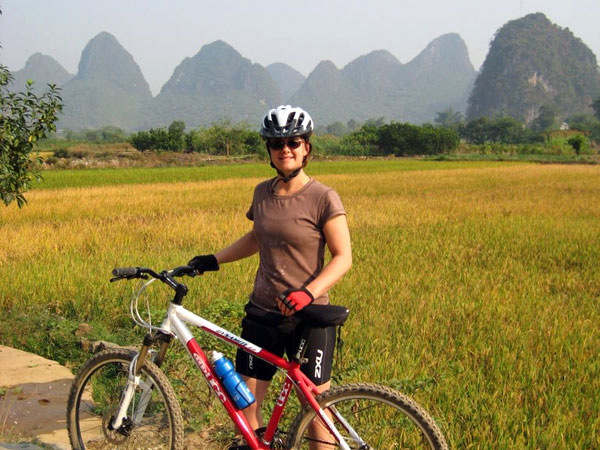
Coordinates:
34	398
33	403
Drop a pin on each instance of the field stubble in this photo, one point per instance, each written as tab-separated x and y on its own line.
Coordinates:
474	290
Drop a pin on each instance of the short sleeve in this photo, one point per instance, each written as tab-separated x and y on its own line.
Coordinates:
256	197
250	212
331	206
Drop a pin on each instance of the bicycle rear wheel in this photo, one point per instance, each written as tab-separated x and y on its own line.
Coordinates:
153	420
367	416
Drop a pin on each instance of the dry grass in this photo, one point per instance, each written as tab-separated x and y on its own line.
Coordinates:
475	289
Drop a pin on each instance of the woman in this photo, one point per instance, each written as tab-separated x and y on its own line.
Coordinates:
294	217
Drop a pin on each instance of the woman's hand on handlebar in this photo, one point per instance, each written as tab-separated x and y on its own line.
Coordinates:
204	263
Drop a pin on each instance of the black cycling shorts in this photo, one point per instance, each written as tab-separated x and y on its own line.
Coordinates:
279	334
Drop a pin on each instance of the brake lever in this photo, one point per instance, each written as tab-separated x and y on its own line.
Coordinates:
183	271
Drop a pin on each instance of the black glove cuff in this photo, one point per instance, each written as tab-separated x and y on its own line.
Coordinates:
211	263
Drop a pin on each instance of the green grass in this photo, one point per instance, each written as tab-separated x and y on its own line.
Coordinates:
474	288
56	179
527	158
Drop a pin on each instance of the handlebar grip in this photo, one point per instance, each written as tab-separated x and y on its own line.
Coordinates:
124	272
183	270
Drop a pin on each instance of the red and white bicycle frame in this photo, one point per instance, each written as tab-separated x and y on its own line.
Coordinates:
175	323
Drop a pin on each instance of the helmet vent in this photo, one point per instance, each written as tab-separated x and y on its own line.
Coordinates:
286	121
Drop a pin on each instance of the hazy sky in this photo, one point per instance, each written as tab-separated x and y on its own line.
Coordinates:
161	33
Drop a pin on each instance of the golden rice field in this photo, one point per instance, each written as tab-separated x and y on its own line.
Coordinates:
475	289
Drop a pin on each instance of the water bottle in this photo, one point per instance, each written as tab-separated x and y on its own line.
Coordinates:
234	385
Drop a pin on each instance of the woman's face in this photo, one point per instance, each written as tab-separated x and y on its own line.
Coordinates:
288	154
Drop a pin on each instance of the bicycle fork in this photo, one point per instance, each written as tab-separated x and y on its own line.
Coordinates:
134	380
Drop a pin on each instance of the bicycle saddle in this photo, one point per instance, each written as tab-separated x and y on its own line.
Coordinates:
323	315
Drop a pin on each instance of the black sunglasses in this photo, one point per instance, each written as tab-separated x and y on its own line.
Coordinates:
278	144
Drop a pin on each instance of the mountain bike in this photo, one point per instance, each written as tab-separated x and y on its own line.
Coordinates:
122	399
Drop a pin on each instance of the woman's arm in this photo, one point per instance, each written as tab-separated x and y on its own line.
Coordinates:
242	248
337	237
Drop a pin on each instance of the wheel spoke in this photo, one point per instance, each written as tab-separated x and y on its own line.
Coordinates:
368	417
95	398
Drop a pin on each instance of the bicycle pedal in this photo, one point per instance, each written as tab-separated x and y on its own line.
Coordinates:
239	444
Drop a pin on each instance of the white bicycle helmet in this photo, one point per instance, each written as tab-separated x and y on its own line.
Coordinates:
286	121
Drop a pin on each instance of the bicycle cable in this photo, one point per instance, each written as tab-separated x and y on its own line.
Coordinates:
134	309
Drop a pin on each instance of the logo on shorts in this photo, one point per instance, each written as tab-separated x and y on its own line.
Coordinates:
318	361
250	362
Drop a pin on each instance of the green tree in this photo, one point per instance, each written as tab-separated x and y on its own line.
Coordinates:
93	135
401	139
141	141
176	135
449	118
24	119
352	125
477	131
336	128
577	142
506	130
364	141
159	138
112	134
547	118
587	123
223	138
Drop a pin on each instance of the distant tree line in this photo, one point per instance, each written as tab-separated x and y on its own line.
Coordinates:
104	135
221	138
508	130
372	138
375	137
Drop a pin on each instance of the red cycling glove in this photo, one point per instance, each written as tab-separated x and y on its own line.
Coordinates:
296	299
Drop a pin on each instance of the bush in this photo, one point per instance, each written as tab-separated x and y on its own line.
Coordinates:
404	139
61	153
502	130
578	143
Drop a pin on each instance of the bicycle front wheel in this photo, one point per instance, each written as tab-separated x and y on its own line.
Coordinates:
153	419
367	416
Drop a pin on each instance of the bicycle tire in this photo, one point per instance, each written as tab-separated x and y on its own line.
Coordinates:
94	399
382	417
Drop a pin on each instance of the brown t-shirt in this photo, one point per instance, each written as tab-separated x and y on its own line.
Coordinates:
291	243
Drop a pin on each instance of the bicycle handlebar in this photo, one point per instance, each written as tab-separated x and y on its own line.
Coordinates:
166	276
127	273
